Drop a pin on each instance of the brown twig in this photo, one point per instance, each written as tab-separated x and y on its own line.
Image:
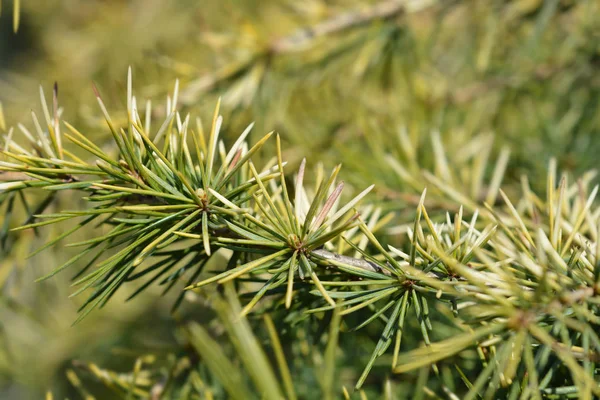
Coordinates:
340	23
355	262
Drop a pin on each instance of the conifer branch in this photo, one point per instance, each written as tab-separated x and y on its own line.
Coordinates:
520	281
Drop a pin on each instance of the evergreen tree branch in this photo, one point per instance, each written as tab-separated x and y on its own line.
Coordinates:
521	282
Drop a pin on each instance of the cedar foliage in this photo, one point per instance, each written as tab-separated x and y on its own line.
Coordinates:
457	258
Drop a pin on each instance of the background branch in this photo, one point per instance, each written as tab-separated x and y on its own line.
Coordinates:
302	38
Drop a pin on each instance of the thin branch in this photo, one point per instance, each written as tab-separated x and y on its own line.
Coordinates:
355	262
328	255
224	232
343	22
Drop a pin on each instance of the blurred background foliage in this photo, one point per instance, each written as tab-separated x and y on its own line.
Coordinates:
341	80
